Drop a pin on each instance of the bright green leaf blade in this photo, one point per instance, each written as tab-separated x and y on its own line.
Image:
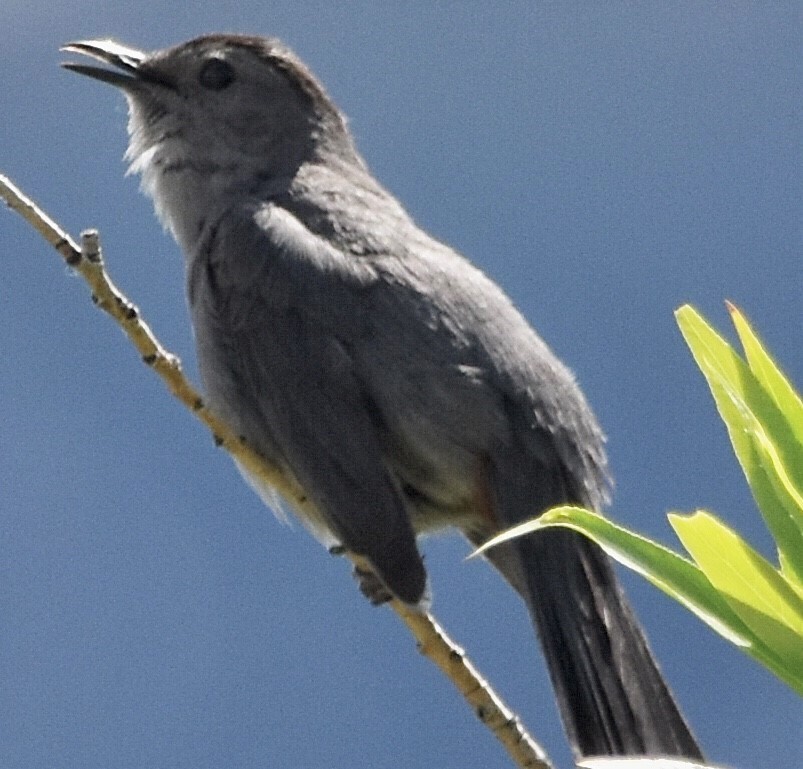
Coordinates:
739	572
768	374
676	576
751	417
760	595
788	528
790	405
788	571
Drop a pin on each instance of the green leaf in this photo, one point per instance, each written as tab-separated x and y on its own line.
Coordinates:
760	595
790	405
687	583
676	576
766	371
761	436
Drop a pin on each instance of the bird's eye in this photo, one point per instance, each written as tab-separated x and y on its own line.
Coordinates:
216	74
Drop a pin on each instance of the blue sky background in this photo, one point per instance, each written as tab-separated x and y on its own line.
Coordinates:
605	162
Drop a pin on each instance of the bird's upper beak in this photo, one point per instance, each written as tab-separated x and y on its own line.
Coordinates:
131	66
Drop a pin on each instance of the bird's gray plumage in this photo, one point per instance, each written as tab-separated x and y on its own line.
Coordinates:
392	379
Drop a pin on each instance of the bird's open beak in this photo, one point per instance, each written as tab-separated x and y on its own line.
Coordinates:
126	60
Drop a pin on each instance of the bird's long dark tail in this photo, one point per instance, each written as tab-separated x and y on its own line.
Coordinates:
612	696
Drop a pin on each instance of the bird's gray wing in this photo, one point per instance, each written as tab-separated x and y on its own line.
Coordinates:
274	308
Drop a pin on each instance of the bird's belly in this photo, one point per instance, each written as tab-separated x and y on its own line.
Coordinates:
440	481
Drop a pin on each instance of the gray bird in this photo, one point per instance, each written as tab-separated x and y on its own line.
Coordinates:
391	379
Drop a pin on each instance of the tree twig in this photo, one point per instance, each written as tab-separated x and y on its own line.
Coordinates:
431	640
